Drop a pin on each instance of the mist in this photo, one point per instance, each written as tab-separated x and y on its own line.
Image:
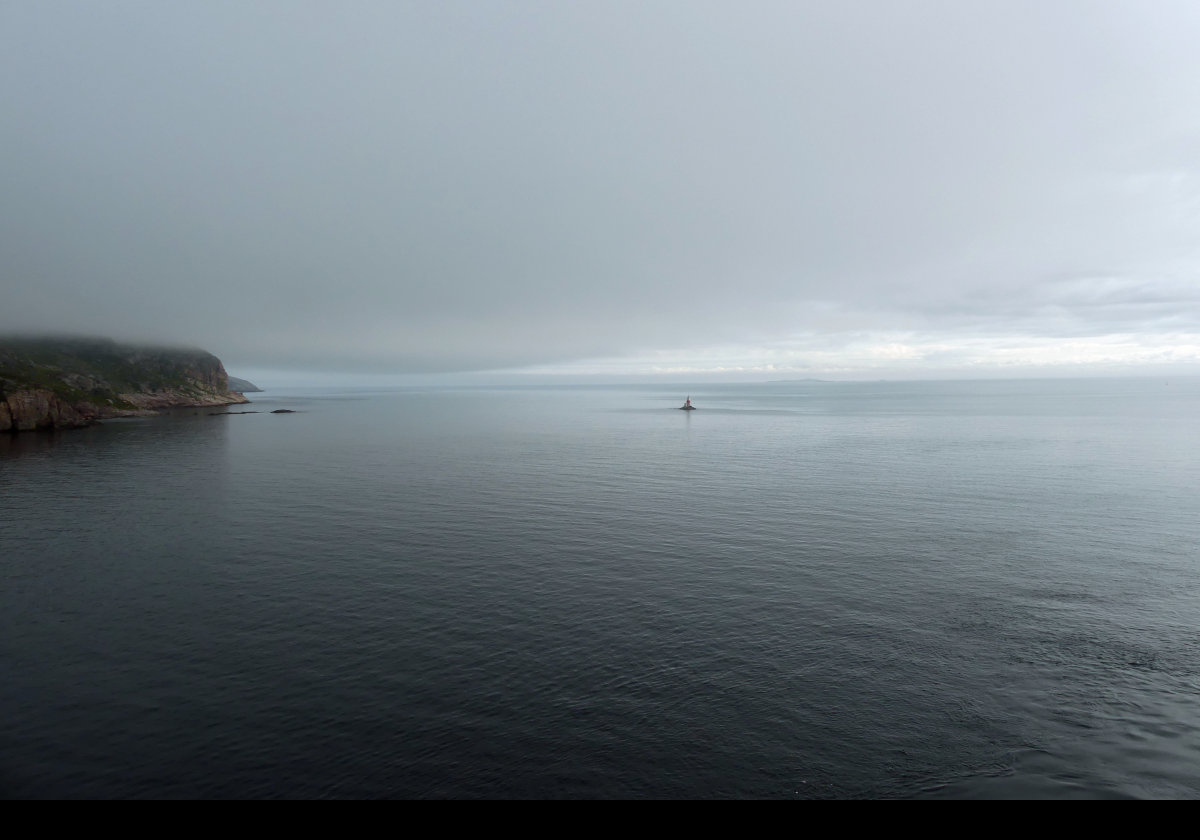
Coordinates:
663	188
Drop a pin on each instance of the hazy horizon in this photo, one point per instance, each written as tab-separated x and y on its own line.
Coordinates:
851	190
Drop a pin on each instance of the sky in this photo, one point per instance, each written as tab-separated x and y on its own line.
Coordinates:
688	189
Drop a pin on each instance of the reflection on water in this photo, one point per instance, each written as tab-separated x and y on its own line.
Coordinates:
948	589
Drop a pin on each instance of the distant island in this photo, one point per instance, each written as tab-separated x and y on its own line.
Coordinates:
242	386
66	383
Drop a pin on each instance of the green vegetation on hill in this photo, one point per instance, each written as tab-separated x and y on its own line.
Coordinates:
74	371
98	377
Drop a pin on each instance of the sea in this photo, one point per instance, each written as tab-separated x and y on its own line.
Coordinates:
801	590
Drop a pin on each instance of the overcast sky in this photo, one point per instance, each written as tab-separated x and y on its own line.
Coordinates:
811	188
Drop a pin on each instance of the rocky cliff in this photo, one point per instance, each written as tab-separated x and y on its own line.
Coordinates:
60	383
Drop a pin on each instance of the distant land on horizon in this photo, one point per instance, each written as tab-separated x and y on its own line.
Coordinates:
242	386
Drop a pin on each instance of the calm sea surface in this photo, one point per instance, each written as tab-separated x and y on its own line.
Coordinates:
966	589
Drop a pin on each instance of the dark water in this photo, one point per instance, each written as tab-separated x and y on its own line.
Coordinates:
799	590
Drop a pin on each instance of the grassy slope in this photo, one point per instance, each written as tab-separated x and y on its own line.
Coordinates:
99	371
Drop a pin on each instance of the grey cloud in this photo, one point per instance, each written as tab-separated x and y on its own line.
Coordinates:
468	185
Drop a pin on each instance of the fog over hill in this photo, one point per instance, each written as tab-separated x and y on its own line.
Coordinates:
69	382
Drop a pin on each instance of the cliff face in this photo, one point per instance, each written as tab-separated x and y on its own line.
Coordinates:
67	383
27	410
